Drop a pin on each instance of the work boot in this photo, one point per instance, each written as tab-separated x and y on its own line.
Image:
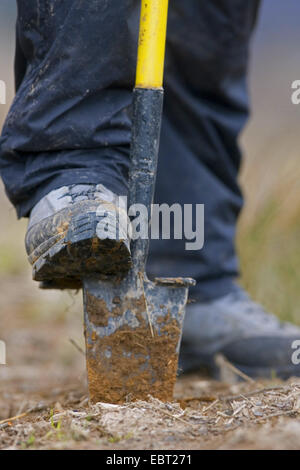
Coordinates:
251	339
65	242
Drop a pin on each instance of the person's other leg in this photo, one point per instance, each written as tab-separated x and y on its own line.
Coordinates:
70	120
206	107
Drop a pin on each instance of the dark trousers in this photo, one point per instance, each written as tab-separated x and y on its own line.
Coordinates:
70	121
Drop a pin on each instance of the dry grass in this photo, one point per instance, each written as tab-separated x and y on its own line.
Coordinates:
269	229
232	418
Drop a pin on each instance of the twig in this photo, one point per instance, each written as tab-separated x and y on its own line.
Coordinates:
14	418
141	346
210	406
239	409
147	309
72	341
279	413
178	418
234	369
255	392
7	421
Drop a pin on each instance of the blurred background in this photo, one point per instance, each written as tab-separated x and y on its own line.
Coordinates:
37	325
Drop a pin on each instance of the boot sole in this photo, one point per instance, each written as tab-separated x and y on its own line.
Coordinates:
63	260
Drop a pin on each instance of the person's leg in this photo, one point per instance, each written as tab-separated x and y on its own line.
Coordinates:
70	120
65	143
206	107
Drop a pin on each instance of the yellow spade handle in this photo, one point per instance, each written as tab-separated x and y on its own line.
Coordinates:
152	44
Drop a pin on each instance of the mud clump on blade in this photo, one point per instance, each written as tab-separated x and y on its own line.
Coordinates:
98	312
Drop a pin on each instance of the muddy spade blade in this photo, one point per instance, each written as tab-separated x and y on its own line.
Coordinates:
133	332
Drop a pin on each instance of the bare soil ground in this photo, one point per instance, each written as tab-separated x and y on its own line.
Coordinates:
204	415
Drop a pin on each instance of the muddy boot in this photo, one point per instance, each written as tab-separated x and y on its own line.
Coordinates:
75	231
253	340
